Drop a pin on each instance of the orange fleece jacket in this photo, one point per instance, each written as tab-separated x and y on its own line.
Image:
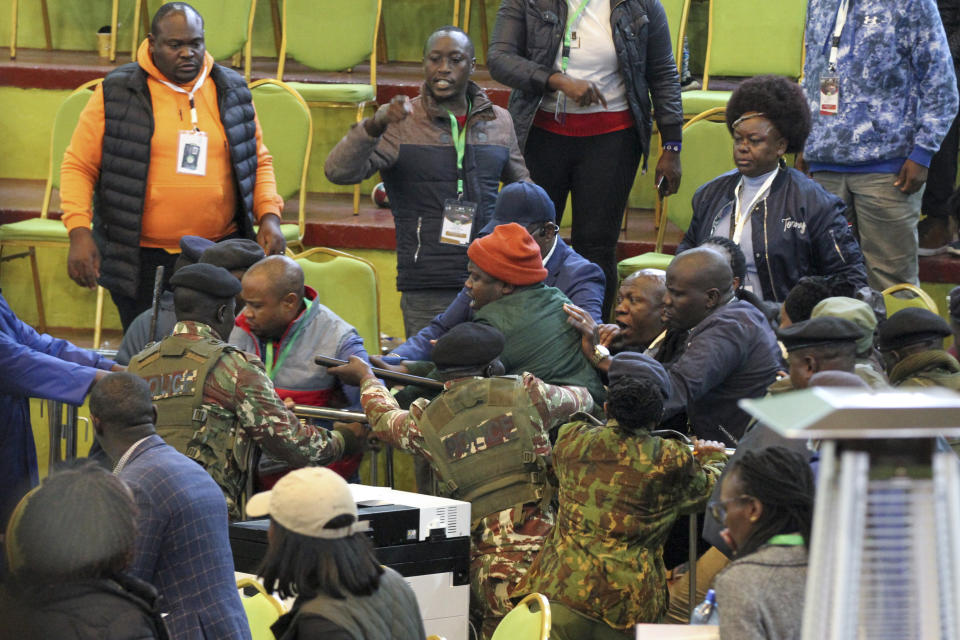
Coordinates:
175	204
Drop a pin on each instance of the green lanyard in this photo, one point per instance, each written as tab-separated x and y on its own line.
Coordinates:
567	36
787	540
271	367
460	144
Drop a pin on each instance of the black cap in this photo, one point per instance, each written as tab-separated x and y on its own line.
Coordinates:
955	304
192	247
911	325
214	281
819	331
235	253
629	364
468	344
522	202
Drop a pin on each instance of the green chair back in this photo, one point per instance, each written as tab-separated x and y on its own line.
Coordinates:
708	152
287	131
347	284
329	35
919	299
779	25
528	620
227	25
63	126
262	609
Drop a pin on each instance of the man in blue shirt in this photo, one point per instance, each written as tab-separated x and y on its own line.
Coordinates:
34	365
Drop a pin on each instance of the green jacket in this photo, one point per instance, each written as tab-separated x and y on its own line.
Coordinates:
539	339
935	368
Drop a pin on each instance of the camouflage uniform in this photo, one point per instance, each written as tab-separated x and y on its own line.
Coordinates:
619	495
503	544
934	368
237	393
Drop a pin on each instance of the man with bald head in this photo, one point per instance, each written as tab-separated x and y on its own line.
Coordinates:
442	156
285	325
731	351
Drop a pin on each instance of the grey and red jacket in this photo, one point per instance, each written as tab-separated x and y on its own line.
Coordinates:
528	35
418	163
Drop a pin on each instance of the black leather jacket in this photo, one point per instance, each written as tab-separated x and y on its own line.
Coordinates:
528	34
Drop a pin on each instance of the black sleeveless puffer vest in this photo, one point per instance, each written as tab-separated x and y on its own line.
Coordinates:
120	191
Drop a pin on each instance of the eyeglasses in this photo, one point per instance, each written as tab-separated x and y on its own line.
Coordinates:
718	508
542	228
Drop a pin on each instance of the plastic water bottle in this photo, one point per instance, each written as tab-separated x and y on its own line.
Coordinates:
706	612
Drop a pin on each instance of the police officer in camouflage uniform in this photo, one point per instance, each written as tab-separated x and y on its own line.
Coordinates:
911	344
621	489
485	436
214	402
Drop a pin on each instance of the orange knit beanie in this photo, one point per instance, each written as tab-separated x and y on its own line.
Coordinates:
509	254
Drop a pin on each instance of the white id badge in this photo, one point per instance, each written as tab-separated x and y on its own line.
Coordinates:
192	153
829	95
574	40
458	218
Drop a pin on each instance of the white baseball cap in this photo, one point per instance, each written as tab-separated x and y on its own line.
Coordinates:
305	500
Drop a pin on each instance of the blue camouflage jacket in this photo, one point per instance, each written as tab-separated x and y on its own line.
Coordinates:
898	92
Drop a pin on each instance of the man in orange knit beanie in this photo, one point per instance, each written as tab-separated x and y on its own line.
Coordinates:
506	289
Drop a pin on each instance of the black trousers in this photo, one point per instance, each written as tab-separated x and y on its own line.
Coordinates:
942	176
598	173
150	259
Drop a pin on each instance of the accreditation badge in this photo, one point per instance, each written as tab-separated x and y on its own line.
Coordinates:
458	216
192	153
829	95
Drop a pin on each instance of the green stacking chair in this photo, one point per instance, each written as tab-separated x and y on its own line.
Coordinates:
735	30
262	609
288	133
528	620
347	285
44	232
920	299
332	35
708	152
229	28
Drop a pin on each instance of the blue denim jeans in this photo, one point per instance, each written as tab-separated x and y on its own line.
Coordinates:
884	221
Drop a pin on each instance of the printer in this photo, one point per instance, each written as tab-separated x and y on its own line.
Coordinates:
426	539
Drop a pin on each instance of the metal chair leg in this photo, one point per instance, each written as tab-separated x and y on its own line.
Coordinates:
41	315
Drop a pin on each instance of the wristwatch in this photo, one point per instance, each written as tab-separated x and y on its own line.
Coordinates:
600	353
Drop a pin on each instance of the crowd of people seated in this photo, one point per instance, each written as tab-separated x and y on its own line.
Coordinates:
566	432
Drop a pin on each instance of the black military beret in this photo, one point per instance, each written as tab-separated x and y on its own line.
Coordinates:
819	331
629	364
468	344
235	253
192	247
911	325
214	281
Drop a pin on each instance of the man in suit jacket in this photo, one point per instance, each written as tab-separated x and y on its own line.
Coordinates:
182	546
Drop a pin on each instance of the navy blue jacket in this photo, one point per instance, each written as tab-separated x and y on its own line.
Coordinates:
578	278
731	354
798	229
183	544
38	366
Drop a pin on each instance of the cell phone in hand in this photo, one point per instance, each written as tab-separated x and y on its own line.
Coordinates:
662	187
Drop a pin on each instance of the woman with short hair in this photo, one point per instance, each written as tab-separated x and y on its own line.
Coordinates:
787	225
766	505
318	555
